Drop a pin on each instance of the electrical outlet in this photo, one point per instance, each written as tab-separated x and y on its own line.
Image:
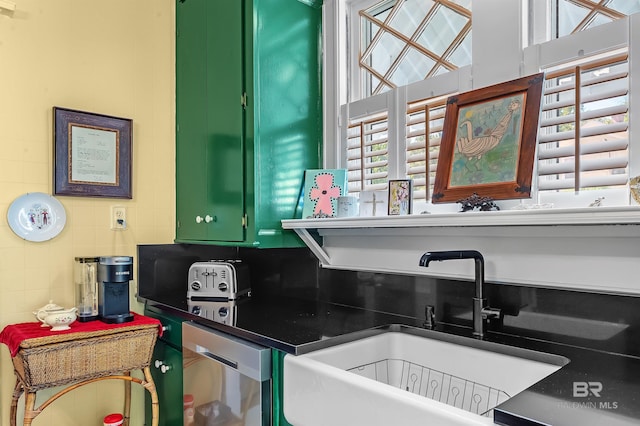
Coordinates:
118	218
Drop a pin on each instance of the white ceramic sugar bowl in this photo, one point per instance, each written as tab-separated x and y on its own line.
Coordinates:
55	316
49	307
58	320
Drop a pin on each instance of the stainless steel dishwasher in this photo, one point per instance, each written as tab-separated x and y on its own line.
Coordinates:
226	380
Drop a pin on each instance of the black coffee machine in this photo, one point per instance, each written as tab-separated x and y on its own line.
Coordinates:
114	273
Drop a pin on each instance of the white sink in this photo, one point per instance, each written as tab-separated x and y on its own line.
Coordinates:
398	378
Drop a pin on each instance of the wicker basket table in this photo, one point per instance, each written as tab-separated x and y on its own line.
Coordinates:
80	358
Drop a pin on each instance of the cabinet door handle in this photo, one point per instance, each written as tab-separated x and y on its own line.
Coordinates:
210	219
162	366
199	219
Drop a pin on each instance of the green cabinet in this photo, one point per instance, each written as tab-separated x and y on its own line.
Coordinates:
248	117
166	369
168	379
277	363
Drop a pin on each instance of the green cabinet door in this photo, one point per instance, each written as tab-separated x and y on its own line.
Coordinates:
209	115
168	379
249	117
191	119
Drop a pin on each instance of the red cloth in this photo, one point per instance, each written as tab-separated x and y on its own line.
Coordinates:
14	334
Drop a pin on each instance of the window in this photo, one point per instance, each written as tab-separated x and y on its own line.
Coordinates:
571	16
404	41
585	122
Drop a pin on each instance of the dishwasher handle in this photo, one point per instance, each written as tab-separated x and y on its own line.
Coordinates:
218	358
246	357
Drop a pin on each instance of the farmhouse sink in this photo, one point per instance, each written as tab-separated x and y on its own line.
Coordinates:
407	376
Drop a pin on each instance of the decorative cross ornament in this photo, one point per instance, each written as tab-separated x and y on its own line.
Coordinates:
374	202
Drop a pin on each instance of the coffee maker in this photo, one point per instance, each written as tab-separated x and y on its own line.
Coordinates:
85	273
114	273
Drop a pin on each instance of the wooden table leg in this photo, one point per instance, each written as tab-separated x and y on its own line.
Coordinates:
17	391
151	387
30	412
127	399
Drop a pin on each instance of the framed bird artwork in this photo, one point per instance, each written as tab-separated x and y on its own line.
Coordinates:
489	141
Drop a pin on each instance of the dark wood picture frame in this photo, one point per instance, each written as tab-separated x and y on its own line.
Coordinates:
92	154
489	142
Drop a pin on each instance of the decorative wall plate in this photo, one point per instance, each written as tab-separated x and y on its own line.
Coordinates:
36	217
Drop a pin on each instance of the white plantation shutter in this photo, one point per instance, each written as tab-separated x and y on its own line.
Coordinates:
584	138
423	144
368	153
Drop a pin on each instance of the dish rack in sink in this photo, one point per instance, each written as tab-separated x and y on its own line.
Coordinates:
437	385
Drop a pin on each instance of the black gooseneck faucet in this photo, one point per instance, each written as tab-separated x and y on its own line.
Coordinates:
481	311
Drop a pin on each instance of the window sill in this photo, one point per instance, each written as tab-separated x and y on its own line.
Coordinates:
534	217
580	248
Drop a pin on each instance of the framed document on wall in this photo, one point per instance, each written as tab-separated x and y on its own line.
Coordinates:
92	154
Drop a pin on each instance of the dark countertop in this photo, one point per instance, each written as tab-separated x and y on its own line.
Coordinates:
291	325
595	388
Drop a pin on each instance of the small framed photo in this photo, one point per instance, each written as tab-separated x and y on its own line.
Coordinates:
92	154
400	197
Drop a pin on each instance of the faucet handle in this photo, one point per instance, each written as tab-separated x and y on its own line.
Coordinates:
430	317
489	313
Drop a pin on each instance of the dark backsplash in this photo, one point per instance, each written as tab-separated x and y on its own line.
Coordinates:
597	321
